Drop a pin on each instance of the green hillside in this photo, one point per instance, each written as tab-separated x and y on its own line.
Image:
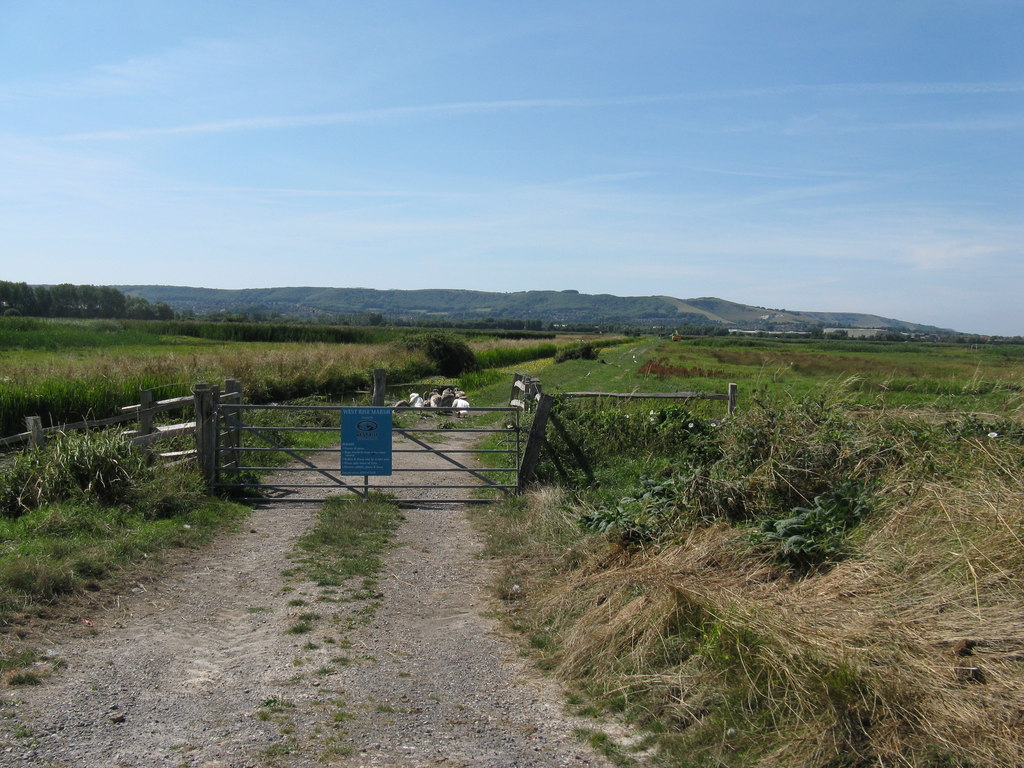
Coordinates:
546	306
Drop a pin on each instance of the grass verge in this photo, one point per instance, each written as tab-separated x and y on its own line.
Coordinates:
893	640
347	543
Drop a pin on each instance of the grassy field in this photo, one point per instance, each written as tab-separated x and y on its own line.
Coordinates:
879	374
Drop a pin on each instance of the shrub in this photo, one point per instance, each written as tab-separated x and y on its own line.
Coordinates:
641	517
448	353
817	533
579	351
607	434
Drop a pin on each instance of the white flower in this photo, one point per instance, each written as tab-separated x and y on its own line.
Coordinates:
690	425
993	434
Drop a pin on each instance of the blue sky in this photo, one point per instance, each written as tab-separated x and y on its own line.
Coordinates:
855	155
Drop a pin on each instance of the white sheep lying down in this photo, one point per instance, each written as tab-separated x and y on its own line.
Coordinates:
448	399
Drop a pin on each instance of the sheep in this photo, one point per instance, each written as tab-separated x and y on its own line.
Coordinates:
447	397
414	401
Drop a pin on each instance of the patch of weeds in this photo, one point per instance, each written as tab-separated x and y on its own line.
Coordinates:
24	679
298	601
18	659
601	743
641	517
304	624
281	749
275	704
332	751
347	541
817	534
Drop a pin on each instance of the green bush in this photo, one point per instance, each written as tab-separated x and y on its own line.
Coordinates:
450	354
611	435
817	533
641	517
580	351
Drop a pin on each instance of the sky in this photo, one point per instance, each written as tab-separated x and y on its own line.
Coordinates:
844	156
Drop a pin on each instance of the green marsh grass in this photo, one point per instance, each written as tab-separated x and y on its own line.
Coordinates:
66	371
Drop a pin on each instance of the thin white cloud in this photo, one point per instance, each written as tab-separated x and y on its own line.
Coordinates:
463	108
452	109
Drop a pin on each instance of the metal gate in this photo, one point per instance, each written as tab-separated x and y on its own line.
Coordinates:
436	454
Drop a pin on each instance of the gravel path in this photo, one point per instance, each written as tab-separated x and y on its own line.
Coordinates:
199	668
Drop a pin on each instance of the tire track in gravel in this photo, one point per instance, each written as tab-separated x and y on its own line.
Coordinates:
199	670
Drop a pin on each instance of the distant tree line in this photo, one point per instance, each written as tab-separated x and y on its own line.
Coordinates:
86	301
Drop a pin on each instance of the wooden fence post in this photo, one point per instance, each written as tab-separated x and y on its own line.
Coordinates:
146	402
535	440
380	380
34	426
732	399
206	430
518	394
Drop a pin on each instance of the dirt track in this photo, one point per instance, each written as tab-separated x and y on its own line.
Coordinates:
198	668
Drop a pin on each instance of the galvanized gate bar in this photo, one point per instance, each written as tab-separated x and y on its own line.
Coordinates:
473	472
230	416
337	480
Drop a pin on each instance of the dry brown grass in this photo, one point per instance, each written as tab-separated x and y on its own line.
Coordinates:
910	653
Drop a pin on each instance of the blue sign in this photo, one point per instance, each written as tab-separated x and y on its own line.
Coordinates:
366	441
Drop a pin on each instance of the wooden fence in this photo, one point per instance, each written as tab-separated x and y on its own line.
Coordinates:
144	414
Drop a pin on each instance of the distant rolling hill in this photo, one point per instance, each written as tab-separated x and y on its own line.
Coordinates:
546	306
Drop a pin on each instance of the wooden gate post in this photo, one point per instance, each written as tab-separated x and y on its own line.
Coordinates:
535	440
206	430
732	399
34	426
146	402
380	380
